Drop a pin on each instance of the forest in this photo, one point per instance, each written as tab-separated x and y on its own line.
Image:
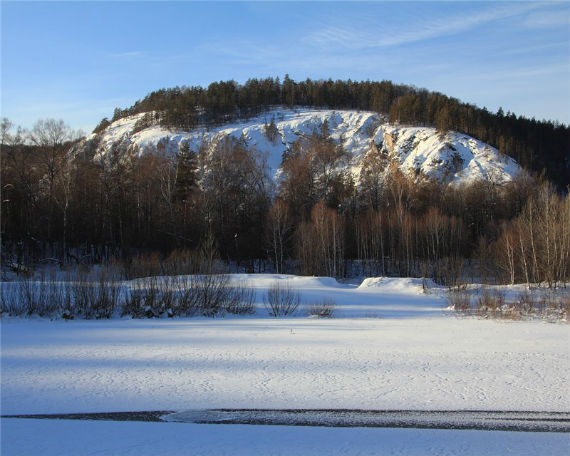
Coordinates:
159	214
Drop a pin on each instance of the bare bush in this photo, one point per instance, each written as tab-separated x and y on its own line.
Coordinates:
564	306
459	299
208	295
212	293
281	300
526	303
93	298
134	301
108	296
490	303
555	306
33	296
83	296
187	298
19	298
169	296
8	305
323	308
544	304
44	297
144	299
56	296
240	299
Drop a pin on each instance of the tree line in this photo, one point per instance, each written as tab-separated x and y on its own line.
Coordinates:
316	220
539	145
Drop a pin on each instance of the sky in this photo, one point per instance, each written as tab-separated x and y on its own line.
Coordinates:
77	61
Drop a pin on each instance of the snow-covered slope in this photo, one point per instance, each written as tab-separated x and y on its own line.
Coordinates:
421	151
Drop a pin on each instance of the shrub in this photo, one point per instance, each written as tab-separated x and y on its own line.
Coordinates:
187	297
42	297
564	305
209	295
489	302
323	308
45	297
240	299
526	303
92	298
134	301
212	290
24	297
555	307
280	300
458	299
144	299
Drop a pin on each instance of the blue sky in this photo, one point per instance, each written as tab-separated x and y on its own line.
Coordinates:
79	60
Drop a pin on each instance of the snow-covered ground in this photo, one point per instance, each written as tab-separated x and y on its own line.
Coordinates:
390	346
451	157
123	365
77	438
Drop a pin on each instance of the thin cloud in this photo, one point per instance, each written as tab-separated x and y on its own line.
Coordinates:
127	55
539	71
531	49
422	30
547	19
515	73
240	52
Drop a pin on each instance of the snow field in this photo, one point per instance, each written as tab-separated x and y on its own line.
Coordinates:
410	362
391	346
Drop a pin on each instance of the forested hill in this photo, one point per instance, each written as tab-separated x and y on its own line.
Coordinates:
539	146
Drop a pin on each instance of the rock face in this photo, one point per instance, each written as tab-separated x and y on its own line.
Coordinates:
421	151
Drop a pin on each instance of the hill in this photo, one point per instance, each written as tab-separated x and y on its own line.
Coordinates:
540	146
419	151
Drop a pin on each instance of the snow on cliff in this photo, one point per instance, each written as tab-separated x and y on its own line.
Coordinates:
451	157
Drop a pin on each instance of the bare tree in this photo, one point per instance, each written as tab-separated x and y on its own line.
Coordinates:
373	177
320	243
50	137
279	231
5	127
235	185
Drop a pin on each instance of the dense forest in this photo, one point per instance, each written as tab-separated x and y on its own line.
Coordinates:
539	146
219	202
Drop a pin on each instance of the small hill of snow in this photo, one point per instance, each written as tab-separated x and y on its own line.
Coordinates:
395	285
286	280
451	157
